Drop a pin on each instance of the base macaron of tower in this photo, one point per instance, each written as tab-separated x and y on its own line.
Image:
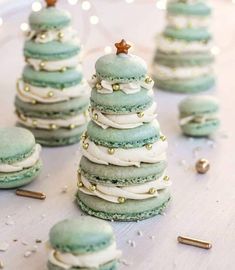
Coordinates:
83	243
199	116
52	95
122	174
183	61
20	160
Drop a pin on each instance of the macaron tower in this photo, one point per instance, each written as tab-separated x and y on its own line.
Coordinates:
183	61
84	243
122	171
52	95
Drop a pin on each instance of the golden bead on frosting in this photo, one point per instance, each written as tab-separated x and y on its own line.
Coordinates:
98	86
202	165
92	187
162	138
166	178
85	146
121	199
53	126
111	151
42	65
50	94
152	190
140	114
95	116
148	79
26	88
72	126
149	146
116	87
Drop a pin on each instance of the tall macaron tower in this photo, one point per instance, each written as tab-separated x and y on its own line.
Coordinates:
183	60
52	95
122	173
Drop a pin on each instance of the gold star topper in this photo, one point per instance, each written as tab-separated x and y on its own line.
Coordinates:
51	3
122	47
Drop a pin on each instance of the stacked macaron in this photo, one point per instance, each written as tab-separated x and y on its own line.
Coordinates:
83	243
183	61
52	95
19	157
122	171
199	115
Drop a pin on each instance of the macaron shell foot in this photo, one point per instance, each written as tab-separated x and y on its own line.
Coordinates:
131	210
21	178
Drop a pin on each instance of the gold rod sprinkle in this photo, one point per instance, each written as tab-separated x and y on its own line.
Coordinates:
31	194
194	242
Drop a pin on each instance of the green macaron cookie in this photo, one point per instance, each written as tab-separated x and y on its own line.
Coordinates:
120	68
189	9
49	18
84	236
121	103
112	175
199	116
124	138
131	210
51	51
17	145
55	79
192	85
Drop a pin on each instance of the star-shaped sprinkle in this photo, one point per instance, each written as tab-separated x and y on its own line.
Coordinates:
122	47
51	3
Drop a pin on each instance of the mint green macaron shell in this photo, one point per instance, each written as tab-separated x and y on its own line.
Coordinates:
16	144
20	178
120	68
50	51
113	175
49	18
124	138
120	103
55	79
188	34
108	266
196	9
131	210
81	235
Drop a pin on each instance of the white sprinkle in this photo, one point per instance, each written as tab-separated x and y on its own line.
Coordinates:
10	222
125	262
29	207
43	216
183	162
34	248
64	189
4	246
152	237
211	143
24	243
129	241
140	233
1	265
163	214
27	253
133	244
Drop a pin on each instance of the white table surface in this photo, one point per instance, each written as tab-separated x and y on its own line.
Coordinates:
202	205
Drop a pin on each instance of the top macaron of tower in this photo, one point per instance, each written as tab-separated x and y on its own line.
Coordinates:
121	174
52	95
183	61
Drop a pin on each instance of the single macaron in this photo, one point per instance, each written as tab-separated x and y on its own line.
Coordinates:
199	116
20	160
82	243
49	18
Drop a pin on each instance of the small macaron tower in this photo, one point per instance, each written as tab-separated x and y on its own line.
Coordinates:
199	116
52	95
20	160
183	60
122	171
84	243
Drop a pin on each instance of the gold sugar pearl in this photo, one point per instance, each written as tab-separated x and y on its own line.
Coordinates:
60	35
92	187
162	138
22	117
72	126
42	65
166	178
152	190
33	101
140	114
95	116
148	79
93	76
84	135
111	151
98	86
149	146
26	88
86	113
121	199
85	146
202	166
80	184
43	36
116	87
53	126
50	94
34	122
63	69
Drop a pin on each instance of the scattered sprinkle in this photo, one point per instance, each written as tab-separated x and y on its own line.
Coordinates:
24	243
43	216
140	233
10	222
125	262
38	241
27	253
64	189
152	237
15	240
1	264
129	241
133	244
211	143
183	162
34	248
4	246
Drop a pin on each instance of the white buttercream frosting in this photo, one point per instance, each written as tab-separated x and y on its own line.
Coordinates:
127	88
182	21
62	35
198	118
123	121
29	93
70	122
56	64
133	192
25	163
179	46
125	157
165	73
87	260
